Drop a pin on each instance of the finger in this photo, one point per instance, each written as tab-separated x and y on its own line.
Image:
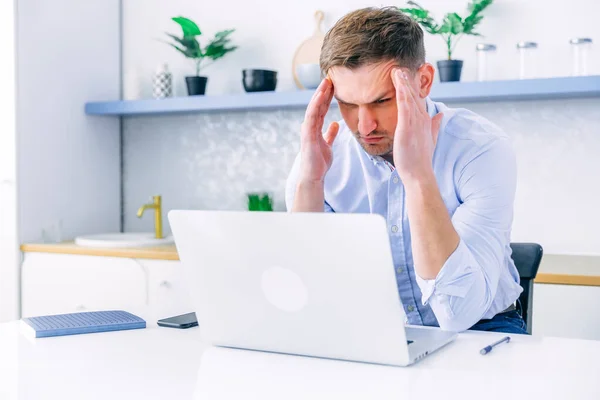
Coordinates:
311	117
327	98
327	95
331	133
399	84
330	90
436	122
321	88
401	95
412	94
313	106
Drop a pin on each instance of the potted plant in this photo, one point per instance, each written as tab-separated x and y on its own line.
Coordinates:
452	28
189	46
260	202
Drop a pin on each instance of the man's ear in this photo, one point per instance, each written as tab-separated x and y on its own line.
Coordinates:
426	74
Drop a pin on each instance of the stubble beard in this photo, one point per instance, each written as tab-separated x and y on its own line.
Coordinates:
376	149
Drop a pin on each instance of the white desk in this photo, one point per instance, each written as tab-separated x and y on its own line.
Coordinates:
162	363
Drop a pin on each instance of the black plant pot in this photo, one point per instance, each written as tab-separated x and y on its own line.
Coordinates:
196	85
450	70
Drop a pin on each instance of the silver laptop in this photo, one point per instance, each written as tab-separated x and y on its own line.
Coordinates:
312	284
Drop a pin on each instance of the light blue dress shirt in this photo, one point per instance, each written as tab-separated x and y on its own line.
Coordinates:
475	167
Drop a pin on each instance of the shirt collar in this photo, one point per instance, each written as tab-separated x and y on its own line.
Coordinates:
432	109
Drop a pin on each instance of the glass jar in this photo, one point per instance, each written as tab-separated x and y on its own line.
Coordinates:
526	59
484	53
580	49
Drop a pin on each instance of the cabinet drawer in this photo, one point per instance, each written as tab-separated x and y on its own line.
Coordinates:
568	311
56	283
167	290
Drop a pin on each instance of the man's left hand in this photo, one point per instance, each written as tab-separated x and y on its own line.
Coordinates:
416	132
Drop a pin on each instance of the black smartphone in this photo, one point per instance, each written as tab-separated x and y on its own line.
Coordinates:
180	321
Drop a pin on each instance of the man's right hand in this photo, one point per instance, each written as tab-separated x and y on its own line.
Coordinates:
315	148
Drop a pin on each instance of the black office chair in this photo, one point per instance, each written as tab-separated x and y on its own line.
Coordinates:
527	258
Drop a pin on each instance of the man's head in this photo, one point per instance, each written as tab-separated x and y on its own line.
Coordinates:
359	54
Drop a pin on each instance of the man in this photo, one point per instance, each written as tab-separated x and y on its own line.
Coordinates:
443	178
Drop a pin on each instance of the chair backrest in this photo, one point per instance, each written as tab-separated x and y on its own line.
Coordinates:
527	258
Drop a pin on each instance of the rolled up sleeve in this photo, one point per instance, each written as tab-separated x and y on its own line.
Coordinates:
466	286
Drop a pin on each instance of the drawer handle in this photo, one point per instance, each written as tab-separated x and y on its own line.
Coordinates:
165	284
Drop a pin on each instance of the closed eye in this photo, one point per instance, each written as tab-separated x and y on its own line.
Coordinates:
381	101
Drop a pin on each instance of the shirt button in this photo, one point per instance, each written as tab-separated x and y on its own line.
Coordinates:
410	308
395	180
399	270
394	228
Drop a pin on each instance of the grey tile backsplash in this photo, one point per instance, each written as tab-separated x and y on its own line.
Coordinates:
210	161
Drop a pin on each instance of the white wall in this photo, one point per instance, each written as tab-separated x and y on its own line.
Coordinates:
9	253
268	33
68	163
209	161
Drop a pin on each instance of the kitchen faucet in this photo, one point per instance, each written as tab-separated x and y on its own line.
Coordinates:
157	206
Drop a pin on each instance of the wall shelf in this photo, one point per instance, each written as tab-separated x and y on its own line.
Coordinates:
451	92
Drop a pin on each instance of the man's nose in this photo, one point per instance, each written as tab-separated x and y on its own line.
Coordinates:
366	121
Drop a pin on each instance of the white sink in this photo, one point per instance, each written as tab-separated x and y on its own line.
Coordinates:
122	240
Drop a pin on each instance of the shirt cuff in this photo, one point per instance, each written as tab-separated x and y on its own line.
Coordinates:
454	279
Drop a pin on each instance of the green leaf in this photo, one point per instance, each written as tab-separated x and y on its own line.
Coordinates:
179	49
446	26
416	13
454	22
253	202
474	18
266	204
224	34
415	4
185	42
188	26
478	6
189	46
218	46
422	17
259	202
216	52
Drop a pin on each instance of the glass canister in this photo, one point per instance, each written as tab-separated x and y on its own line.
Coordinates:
526	59
580	53
484	55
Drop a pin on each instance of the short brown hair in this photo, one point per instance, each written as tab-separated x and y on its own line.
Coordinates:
372	35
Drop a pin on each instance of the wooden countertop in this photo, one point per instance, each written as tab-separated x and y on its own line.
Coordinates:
168	252
566	269
561	269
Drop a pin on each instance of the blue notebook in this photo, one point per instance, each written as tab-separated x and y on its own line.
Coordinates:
84	322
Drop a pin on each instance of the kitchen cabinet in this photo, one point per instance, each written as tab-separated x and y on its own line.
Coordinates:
167	292
64	283
570	311
153	281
